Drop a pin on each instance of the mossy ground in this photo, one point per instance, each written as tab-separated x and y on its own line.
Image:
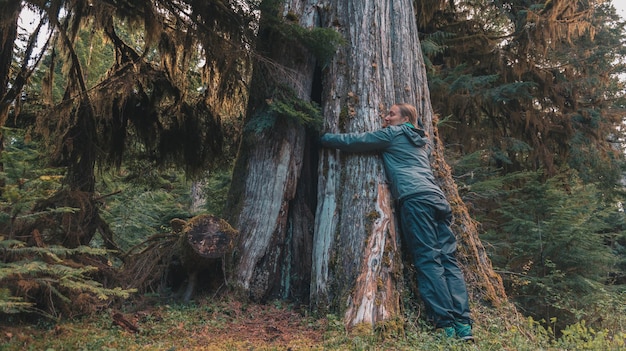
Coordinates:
225	324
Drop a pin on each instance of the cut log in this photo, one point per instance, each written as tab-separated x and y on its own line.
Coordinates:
207	237
204	243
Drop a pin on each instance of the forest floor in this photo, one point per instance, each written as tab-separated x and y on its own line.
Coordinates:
209	324
201	325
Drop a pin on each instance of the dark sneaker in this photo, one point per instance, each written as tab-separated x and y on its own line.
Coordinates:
463	331
448	332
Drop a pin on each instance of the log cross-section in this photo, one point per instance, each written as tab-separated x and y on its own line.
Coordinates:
209	237
204	243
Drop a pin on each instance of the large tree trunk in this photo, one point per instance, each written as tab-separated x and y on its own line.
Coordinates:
8	34
353	262
355	259
272	258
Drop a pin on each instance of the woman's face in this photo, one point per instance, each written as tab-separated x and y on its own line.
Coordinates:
393	117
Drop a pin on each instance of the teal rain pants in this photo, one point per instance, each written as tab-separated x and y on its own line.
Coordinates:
425	223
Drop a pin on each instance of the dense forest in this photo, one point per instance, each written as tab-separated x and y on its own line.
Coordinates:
128	127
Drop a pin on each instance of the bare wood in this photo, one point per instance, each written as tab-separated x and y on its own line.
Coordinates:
376	296
206	237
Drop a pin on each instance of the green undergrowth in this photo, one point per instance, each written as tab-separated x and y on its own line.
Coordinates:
210	324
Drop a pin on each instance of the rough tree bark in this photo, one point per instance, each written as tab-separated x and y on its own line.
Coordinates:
8	34
353	261
272	258
356	257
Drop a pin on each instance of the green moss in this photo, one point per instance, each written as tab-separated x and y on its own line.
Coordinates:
320	42
214	324
291	16
260	121
386	260
343	118
390	329
362	329
287	104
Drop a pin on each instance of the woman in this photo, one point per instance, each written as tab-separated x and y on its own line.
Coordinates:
424	214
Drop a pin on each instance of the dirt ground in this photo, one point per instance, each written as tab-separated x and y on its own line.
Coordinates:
205	325
267	325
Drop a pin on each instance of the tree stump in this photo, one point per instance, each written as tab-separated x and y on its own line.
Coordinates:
204	243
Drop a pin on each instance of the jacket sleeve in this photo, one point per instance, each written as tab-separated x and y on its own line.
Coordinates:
358	142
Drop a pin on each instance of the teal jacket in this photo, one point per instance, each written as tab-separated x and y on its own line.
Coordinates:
405	151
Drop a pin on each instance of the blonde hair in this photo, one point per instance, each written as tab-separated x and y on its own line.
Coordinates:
408	110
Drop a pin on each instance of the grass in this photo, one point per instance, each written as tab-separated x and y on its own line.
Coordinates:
231	325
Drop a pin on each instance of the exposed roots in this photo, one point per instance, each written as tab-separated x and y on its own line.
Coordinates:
147	269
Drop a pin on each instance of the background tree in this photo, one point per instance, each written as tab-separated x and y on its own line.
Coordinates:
535	88
556	249
144	99
145	105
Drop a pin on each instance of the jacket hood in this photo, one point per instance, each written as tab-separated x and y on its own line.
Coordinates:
416	136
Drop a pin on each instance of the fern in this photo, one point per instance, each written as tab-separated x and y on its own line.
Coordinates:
286	104
321	42
28	272
13	304
144	202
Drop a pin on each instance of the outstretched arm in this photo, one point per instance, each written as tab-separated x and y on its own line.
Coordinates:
358	142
